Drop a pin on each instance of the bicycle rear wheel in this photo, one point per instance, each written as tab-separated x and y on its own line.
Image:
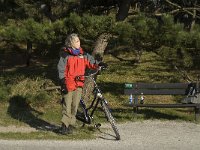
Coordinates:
110	118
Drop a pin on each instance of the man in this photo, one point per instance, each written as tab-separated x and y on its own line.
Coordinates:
73	62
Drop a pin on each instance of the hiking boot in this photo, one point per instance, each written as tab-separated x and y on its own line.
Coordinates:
65	130
71	128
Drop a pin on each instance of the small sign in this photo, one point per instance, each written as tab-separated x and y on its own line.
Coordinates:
128	86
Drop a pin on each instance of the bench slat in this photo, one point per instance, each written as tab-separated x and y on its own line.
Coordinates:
167	105
155	92
160	85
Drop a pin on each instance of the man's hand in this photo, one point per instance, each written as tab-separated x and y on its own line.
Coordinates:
63	86
102	64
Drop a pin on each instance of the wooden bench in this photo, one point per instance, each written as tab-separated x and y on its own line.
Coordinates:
136	89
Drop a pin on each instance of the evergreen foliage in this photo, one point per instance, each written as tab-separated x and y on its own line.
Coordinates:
89	26
46	24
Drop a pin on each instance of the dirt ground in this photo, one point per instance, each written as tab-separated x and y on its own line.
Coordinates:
150	134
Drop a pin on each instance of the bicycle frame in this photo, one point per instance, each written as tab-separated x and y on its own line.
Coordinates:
87	118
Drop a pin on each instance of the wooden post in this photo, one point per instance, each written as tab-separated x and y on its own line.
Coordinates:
197	114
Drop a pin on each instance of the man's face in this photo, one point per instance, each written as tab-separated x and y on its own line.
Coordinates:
76	43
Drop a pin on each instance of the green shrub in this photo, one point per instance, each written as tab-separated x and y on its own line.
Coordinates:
39	99
32	90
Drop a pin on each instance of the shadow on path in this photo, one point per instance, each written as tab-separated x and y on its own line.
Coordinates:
106	135
20	110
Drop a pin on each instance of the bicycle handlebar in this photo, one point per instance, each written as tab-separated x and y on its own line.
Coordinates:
78	78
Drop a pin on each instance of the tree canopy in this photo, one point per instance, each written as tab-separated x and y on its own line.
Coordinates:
168	28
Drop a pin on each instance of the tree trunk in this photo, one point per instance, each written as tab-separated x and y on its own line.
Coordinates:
29	51
124	6
100	46
193	17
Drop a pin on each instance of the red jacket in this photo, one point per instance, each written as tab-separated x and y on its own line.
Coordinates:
71	66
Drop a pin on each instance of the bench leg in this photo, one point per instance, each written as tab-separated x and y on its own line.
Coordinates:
135	109
197	114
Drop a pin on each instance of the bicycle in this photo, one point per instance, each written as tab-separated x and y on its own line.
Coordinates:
86	114
193	90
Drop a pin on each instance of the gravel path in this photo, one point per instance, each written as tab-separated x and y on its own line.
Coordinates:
151	135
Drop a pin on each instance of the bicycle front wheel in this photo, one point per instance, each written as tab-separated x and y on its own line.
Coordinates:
110	118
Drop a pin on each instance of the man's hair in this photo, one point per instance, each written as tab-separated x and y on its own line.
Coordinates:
70	38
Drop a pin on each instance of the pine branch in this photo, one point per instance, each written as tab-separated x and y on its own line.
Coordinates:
192	8
173	4
180	9
183	9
